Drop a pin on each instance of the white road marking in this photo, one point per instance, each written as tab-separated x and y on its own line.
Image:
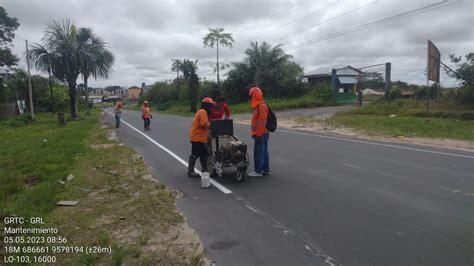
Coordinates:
286	230
455	191
183	162
379	144
318	252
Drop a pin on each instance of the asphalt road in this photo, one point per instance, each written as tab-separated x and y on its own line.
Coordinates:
328	201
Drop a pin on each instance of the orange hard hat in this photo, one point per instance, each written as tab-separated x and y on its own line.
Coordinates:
208	100
255	90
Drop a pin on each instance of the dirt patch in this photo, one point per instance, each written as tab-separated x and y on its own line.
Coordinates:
102	146
31	181
112	136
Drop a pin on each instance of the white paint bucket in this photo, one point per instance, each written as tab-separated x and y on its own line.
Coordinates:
205	180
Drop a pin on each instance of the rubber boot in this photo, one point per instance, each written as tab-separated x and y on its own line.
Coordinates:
203	161
191	163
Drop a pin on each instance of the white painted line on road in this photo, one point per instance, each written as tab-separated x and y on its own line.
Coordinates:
380	144
452	190
213	182
328	259
308	245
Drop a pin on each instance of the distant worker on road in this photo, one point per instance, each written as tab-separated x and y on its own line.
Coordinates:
198	135
259	133
118	113
221	109
146	115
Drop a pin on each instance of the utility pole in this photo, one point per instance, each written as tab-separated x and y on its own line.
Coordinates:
388	71
428	92
217	60
334	84
30	93
177	72
257	64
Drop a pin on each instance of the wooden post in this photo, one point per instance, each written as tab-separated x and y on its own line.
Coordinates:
61	120
334	84
30	92
388	70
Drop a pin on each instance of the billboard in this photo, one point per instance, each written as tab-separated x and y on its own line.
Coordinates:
434	59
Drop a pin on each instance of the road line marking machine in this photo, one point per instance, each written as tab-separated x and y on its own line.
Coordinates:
226	150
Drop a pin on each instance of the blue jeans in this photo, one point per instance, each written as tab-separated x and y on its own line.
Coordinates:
260	154
146	122
117	120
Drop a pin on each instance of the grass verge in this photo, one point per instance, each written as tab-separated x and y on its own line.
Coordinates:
120	206
407	118
277	104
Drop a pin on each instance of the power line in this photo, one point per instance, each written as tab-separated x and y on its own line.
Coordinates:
301	18
324	21
376	65
376	23
268	18
205	71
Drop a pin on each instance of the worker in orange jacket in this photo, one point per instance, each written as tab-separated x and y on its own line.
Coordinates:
259	133
118	113
146	115
198	135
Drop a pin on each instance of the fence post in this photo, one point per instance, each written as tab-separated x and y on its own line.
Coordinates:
334	84
61	119
388	70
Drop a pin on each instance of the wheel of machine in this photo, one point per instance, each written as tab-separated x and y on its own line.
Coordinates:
210	167
212	172
241	174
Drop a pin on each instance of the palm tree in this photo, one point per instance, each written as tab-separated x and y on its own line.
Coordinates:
97	60
215	37
176	65
266	60
42	60
61	40
266	66
189	68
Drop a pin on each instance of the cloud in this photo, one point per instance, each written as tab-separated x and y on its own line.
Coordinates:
145	35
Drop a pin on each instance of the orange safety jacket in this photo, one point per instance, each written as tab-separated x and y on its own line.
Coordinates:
118	107
259	120
200	127
146	113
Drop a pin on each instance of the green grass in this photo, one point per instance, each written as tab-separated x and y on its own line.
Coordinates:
447	120
278	104
40	152
117	212
407	126
409	107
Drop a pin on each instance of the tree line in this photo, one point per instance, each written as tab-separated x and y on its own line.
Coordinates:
68	52
263	65
65	53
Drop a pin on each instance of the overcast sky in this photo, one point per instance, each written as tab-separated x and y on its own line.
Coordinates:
145	35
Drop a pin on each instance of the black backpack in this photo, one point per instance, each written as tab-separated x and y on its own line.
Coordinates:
271	120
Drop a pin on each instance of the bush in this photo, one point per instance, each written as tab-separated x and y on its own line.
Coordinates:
321	92
459	115
16	121
466	95
395	94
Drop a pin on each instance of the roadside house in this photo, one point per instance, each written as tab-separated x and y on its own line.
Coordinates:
346	81
133	93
